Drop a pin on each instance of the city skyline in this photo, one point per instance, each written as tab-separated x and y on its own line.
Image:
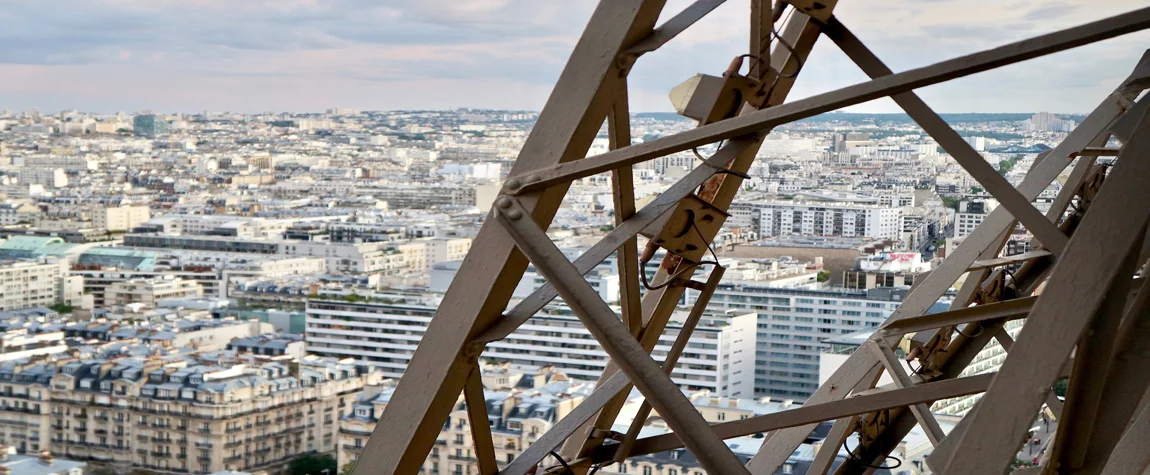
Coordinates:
306	56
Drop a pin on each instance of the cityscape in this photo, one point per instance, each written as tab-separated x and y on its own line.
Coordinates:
220	292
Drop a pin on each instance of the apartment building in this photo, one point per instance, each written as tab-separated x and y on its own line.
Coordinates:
26	284
199	413
217	225
120	218
776	218
524	403
49	177
446	249
793	326
411	196
98	281
351	258
13	213
150	291
365	232
970	214
719	358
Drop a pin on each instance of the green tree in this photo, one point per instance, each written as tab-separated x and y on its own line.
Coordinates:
824	275
61	307
313	464
950	202
347	468
1060	387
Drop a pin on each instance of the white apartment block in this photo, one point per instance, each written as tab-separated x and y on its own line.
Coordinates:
970	214
150	291
768	219
219	225
50	177
446	249
720	356
350	258
793	325
37	284
121	218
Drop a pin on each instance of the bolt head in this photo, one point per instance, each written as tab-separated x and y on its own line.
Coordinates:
514	214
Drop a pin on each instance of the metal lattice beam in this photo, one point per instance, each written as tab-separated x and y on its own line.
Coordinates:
1083	259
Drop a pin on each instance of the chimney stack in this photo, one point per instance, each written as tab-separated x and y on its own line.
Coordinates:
46	458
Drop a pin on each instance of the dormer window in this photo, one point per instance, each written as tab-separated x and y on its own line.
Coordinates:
363	412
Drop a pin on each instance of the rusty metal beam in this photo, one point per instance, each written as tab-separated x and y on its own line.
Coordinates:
613	336
568	124
922	393
1082	277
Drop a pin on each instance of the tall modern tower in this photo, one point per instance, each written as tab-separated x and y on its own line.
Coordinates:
150	125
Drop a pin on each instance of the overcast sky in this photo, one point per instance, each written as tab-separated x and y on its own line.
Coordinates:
310	55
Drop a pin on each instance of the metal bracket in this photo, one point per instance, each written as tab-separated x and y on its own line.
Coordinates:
684	231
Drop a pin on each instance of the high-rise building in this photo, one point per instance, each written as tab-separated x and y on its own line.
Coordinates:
771	218
718	357
1047	122
793	325
978	143
150	125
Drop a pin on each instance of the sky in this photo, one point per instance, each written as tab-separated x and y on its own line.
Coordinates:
310	55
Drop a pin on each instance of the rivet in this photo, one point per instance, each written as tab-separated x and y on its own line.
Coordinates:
513	183
531	178
514	214
504	202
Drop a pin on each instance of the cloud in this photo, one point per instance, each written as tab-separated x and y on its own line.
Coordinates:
1047	12
258	55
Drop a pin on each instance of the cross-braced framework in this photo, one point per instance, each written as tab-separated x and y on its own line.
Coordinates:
1080	293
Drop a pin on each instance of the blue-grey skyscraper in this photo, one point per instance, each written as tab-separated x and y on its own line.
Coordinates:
150	125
